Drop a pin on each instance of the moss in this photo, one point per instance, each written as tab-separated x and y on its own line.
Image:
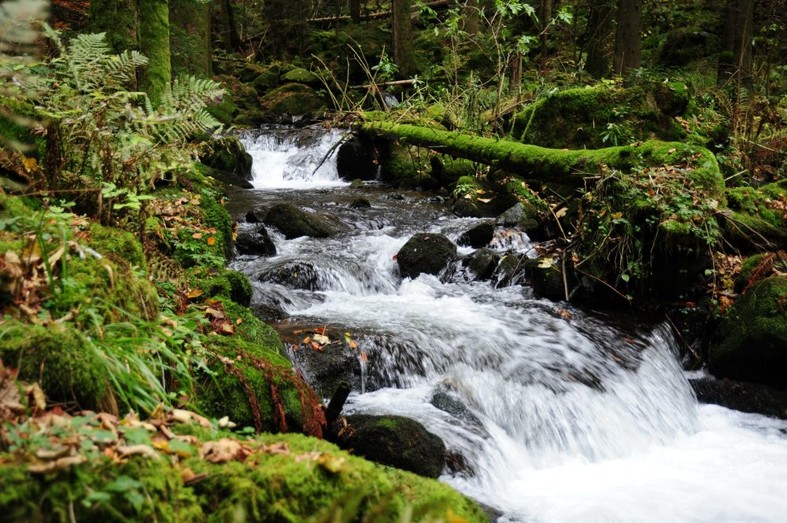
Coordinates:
749	266
154	43
302	76
257	387
600	115
121	245
217	217
752	340
232	285
116	18
56	356
291	99
225	111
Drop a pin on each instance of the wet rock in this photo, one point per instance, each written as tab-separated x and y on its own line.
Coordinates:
295	275
510	270
449	403
482	263
228	161
519	215
745	397
327	368
360	203
291	99
356	184
752	339
545	277
357	159
256	215
395	441
256	241
294	222
479	236
425	253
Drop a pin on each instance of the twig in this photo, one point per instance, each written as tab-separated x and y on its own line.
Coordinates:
335	146
610	287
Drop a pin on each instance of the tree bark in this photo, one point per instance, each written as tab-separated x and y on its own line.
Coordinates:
355	10
628	39
472	17
598	38
402	37
154	43
190	43
735	59
116	18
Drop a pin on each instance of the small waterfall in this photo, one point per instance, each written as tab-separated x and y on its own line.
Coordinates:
286	158
557	415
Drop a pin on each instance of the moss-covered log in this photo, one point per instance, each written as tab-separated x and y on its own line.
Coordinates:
556	165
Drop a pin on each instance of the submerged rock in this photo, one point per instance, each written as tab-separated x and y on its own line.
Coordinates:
425	253
395	441
482	263
295	275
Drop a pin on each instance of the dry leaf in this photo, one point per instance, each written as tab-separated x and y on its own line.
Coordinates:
194	294
224	450
57	465
137	450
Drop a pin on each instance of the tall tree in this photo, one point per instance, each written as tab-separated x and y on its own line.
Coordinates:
116	18
735	60
154	43
402	36
628	36
190	43
355	10
286	21
598	41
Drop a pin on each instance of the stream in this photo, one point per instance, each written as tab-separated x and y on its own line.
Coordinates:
561	415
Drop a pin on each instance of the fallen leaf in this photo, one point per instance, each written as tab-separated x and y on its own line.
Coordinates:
194	293
56	465
197	235
321	339
212	241
224	450
137	450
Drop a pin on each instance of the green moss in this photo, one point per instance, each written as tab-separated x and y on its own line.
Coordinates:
190	38
121	245
232	285
154	43
292	99
116	18
600	115
752	340
302	76
58	357
255	386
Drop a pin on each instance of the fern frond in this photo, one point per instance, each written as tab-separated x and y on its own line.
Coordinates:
123	67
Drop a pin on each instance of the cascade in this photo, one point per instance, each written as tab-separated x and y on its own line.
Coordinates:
565	415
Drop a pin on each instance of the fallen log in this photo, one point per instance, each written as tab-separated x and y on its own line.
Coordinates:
555	165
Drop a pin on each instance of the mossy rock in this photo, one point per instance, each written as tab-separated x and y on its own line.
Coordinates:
229	155
215	283
599	116
756	218
478	236
752	339
120	245
294	222
427	253
685	45
59	358
307	481
257	387
302	76
395	441
217	217
291	99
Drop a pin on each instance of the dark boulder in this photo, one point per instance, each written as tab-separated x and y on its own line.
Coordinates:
745	397
752	339
394	441
357	159
294	222
255	241
360	203
478	236
425	253
228	161
295	275
482	263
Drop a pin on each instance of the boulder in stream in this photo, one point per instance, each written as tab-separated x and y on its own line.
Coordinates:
738	395
255	241
395	441
228	161
357	159
294	222
752	339
478	236
426	253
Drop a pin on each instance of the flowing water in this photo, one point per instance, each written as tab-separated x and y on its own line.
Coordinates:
558	415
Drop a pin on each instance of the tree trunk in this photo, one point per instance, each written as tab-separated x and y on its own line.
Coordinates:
116	18
544	16
189	38
154	43
472	17
286	24
355	10
402	37
735	59
598	41
628	41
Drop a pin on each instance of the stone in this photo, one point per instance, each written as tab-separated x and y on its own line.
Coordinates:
745	397
482	263
751	342
395	441
478	236
427	253
228	156
357	159
255	241
294	222
519	215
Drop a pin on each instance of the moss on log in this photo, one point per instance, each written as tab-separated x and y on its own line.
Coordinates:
556	165
154	43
